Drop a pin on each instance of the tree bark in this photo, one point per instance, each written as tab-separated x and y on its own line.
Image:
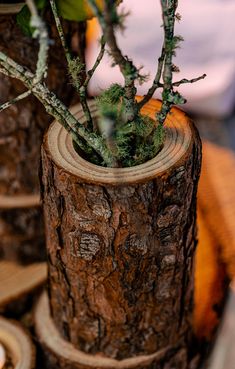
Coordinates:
21	130
121	246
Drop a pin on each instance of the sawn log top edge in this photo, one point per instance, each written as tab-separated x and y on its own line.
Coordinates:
177	142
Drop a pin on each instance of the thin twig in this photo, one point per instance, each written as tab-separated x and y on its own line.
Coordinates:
60	31
156	83
185	80
41	33
15	100
81	89
168	16
97	62
55	108
126	66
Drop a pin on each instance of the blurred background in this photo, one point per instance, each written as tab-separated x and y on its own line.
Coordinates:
208	29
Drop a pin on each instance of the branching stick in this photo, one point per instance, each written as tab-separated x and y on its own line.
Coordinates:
126	66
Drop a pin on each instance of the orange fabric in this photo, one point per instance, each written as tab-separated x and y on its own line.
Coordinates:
209	282
215	258
216	197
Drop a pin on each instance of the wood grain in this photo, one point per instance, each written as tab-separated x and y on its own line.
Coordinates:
17	281
18	344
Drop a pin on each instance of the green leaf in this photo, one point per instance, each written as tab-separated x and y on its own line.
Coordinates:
23	17
23	20
77	10
41	4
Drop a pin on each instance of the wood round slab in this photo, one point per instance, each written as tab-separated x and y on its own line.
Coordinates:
17	280
19	201
67	354
17	343
11	8
2	356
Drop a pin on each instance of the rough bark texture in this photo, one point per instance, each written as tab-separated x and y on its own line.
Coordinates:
121	259
21	131
22	235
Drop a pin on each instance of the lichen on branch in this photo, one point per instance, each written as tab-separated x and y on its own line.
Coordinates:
122	136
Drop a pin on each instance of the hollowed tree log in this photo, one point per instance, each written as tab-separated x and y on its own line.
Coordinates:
21	130
121	245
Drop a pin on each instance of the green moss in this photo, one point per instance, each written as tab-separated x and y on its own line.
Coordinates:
134	142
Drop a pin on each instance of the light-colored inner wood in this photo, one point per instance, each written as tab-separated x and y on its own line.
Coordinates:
19	201
177	142
17	343
11	8
17	280
2	356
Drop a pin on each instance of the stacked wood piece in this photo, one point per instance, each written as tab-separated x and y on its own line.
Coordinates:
18	347
21	130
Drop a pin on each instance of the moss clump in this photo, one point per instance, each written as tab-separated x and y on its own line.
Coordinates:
133	142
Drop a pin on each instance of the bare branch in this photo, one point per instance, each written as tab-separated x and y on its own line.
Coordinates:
168	15
55	108
126	66
156	83
60	31
97	62
15	100
41	33
73	64
185	80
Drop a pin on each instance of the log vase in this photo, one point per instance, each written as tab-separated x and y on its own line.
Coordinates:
121	245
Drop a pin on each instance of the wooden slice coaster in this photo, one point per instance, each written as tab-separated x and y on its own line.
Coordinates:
68	356
216	197
11	8
19	201
17	343
2	356
17	280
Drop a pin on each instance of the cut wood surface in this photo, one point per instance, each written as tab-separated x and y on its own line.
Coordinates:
17	281
19	201
121	245
18	344
11	8
216	197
